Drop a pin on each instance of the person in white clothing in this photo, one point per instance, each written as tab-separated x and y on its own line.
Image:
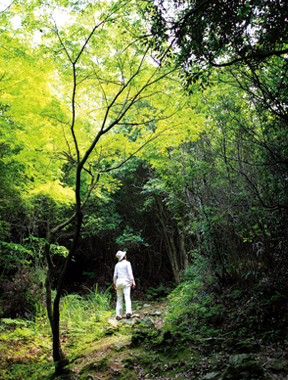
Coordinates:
123	280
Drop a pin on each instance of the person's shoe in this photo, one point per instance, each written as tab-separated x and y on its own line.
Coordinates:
128	315
118	318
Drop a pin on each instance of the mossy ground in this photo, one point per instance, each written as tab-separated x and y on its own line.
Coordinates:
143	348
128	351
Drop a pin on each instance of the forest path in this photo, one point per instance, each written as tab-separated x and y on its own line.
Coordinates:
122	353
143	347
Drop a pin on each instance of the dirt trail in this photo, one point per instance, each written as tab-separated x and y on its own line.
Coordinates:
143	348
118	355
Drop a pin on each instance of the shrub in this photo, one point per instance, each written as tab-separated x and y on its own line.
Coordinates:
20	294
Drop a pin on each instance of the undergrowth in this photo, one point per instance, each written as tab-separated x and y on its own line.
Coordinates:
26	345
208	325
203	324
238	315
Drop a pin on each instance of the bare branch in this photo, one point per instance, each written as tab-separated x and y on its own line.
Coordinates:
136	96
74	112
129	158
267	207
8	7
96	27
61	42
102	89
255	55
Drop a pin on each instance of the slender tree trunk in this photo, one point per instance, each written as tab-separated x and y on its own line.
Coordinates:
170	242
59	358
53	308
184	259
173	255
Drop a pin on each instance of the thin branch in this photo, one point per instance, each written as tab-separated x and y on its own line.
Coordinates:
85	78
8	7
274	207
94	29
134	99
91	188
2	76
102	131
74	113
148	121
61	42
64	224
256	55
129	158
120	93
52	117
67	142
102	89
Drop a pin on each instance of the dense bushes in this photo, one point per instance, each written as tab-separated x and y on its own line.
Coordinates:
237	315
20	294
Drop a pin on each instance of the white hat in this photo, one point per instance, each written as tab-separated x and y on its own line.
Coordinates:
120	255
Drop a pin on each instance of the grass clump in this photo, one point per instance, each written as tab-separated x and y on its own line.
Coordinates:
83	319
26	345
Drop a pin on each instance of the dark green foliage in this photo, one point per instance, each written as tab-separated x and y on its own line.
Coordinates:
21	294
22	280
160	291
206	34
191	309
249	370
226	318
142	337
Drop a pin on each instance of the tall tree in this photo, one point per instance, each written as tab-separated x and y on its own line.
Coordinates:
104	100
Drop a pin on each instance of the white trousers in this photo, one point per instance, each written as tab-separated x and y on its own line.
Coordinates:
126	291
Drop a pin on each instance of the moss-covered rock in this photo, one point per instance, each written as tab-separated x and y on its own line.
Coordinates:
94	366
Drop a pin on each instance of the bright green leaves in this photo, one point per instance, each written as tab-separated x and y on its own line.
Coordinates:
90	94
56	191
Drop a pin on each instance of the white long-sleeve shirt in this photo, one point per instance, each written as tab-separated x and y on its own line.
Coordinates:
123	273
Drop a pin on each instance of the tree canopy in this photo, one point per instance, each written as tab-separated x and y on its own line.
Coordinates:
202	35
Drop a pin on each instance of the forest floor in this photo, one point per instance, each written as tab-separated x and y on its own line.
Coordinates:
124	352
143	347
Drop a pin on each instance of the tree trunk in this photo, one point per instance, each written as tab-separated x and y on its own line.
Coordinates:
184	259
53	311
169	237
